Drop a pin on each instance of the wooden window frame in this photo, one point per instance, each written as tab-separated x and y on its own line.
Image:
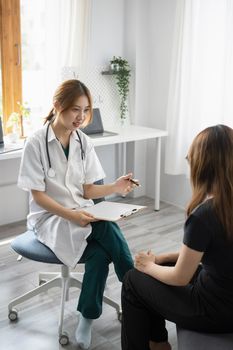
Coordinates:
10	43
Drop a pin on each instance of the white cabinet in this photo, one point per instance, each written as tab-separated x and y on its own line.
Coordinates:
13	201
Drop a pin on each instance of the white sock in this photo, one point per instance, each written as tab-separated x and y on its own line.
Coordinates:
83	332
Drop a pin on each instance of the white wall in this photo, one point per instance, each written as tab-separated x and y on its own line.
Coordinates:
149	33
123	28
137	51
107	31
174	189
107	39
141	31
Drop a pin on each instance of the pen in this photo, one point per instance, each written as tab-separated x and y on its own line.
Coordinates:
134	182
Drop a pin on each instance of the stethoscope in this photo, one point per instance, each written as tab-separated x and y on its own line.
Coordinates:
51	172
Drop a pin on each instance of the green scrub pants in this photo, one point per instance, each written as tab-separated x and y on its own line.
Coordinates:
106	244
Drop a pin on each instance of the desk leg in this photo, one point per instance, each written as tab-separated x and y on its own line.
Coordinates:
124	158
121	158
157	172
118	163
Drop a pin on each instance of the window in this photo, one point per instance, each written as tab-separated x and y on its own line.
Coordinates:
38	39
10	43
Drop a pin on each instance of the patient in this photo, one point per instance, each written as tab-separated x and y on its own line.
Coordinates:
195	296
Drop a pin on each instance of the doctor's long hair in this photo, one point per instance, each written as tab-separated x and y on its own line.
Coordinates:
66	94
211	169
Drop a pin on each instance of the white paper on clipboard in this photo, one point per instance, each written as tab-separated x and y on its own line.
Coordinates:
112	211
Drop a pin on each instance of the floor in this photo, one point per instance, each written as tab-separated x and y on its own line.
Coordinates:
36	327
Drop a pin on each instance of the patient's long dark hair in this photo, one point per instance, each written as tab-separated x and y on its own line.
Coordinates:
211	164
66	94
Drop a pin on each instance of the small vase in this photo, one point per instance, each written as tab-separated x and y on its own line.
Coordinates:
15	135
123	122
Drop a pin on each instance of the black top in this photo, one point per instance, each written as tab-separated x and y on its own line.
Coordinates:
204	232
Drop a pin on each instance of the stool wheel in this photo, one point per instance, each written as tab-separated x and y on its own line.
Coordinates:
119	315
64	339
41	281
13	315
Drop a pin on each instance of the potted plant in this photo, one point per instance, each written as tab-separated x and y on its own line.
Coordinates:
13	122
121	70
17	122
25	118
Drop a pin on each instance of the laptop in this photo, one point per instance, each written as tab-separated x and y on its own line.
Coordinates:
96	129
9	147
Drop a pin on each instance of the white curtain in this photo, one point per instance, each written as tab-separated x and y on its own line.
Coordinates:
201	78
55	34
75	34
67	41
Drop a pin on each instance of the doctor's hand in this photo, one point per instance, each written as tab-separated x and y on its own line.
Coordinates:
123	185
82	218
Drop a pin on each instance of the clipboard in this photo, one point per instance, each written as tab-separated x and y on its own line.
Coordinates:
112	211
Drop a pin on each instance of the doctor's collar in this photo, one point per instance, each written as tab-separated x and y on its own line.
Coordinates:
76	134
51	134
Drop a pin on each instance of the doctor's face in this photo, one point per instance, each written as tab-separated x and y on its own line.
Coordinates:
74	117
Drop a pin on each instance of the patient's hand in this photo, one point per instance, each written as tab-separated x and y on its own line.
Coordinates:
144	261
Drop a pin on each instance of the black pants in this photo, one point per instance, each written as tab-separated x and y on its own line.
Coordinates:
147	303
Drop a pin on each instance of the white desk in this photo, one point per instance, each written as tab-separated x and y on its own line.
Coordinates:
126	134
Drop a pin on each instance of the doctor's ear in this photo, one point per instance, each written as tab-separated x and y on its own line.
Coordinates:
56	106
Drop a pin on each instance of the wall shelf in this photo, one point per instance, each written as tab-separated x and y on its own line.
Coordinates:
108	72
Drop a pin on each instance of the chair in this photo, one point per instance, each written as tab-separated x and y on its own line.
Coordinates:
27	245
190	340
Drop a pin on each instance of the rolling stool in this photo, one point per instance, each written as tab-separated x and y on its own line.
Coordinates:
29	247
190	340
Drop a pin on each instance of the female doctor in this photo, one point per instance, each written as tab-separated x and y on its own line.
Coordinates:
59	166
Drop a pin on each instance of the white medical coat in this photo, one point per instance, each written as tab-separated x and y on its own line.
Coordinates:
65	238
